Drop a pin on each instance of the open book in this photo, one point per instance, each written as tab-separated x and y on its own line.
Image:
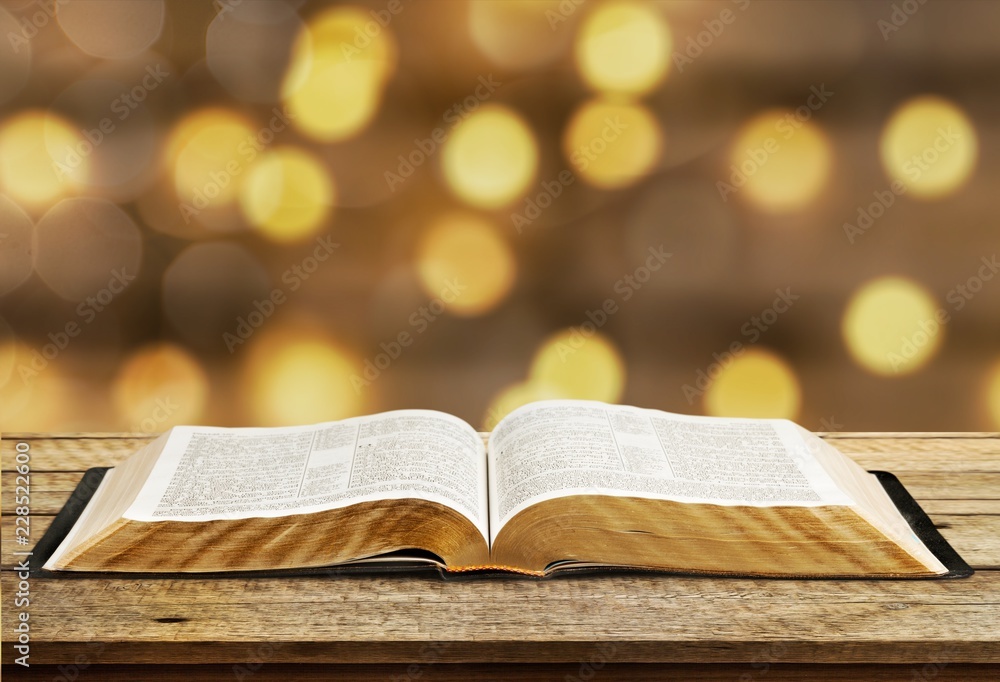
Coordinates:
560	485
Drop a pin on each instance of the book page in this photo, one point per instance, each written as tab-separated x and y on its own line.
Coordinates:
566	447
207	473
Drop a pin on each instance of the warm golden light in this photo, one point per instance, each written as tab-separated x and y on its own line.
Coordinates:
512	397
623	47
612	145
339	66
287	194
757	384
993	395
579	363
42	158
778	162
33	392
300	377
930	146
160	386
490	158
210	151
892	326
464	262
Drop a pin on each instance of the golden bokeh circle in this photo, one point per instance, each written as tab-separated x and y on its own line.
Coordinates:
892	326
298	376
512	397
993	395
42	158
579	363
929	145
287	194
612	144
209	151
159	386
490	158
778	161
757	384
465	263
338	69
623	47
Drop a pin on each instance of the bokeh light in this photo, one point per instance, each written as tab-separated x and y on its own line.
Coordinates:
514	396
33	392
778	161
339	67
159	386
111	29
623	47
490	158
209	150
930	146
40	158
993	395
88	248
579	363
610	144
518	34
16	246
463	261
757	384
287	194
298	376
892	326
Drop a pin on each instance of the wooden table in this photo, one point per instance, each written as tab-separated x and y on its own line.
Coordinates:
609	628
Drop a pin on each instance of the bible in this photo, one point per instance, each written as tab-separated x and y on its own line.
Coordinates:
558	487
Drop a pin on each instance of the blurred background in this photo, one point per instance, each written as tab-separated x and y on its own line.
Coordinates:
262	212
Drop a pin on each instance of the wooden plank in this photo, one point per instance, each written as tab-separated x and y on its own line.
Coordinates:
960	507
70	454
253	667
647	619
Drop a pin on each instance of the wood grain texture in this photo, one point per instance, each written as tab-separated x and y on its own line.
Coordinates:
544	672
462	630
